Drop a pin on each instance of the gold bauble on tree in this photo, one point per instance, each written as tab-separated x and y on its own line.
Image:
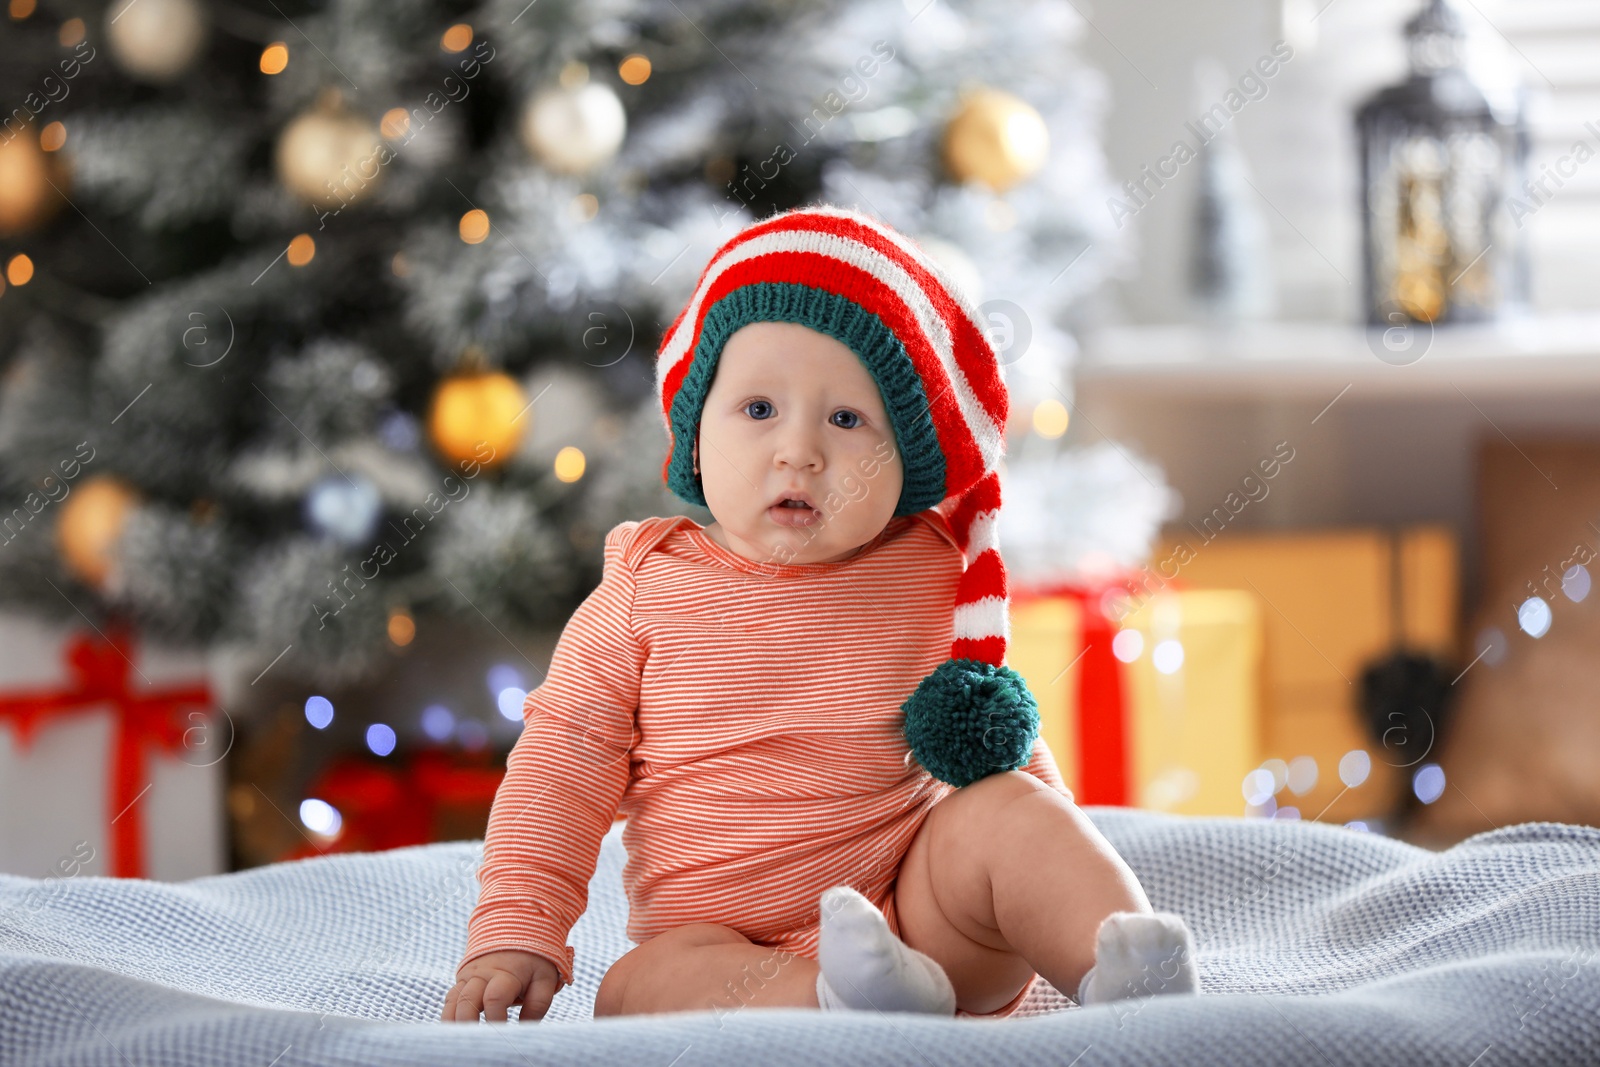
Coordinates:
329	156
27	198
156	40
575	126
995	138
477	408
91	520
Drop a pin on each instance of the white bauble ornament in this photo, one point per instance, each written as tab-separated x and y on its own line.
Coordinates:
574	130
330	157
156	40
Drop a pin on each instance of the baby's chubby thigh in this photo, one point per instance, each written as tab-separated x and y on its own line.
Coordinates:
943	896
704	967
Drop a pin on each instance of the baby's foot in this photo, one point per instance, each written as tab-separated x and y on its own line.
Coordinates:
1137	955
866	967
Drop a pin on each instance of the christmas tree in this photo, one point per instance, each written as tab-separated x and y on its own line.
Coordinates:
323	322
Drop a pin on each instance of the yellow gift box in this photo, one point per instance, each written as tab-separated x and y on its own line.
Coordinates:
1188	667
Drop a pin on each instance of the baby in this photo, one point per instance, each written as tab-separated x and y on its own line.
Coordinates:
834	792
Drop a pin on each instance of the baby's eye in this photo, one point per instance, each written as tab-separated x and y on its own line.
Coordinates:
763	409
852	420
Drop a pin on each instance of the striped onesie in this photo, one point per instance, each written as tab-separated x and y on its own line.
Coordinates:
745	719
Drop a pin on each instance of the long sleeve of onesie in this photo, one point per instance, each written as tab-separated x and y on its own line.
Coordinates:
745	717
564	779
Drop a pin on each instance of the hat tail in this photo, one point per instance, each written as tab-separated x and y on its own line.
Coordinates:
982	604
973	716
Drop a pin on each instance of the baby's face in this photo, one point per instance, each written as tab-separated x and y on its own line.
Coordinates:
793	412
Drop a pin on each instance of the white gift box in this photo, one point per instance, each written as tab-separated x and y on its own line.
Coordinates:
147	720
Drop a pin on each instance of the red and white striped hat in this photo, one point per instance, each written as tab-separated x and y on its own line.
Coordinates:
853	277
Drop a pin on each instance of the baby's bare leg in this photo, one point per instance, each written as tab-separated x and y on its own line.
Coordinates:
1006	876
705	967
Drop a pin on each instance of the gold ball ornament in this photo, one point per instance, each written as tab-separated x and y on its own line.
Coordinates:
571	130
27	198
475	412
995	138
91	521
330	157
156	40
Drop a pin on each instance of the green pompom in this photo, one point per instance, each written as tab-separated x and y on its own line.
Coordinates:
970	719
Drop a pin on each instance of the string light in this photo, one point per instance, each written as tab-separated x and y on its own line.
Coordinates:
274	58
570	464
301	250
320	817
474	226
402	628
1050	418
634	69
20	270
396	122
319	711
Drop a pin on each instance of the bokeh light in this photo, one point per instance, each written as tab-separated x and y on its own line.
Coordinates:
472	734
474	226
1428	782
634	69
570	464
510	702
320	817
1534	617
1575	584
438	722
504	676
19	271
380	739
1279	771
302	249
274	58
1128	645
1050	418
319	712
1258	787
1168	656
1354	766
1302	775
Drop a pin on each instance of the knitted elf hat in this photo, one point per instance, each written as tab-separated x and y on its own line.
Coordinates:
854	278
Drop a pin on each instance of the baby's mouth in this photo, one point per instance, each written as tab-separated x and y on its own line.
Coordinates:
796	510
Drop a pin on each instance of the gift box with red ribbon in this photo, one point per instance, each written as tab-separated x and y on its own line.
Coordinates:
110	758
1147	697
430	795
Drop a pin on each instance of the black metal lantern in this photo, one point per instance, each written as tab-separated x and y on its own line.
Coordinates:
1437	163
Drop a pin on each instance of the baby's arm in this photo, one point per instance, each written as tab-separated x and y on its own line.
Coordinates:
564	780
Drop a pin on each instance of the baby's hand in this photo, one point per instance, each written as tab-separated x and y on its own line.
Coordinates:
496	981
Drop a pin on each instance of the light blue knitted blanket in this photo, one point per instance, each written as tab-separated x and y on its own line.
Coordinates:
1316	944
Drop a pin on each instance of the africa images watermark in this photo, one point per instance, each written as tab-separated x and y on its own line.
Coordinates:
1252	489
1566	166
1251	86
833	103
55	490
53	90
367	169
855	490
383	553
